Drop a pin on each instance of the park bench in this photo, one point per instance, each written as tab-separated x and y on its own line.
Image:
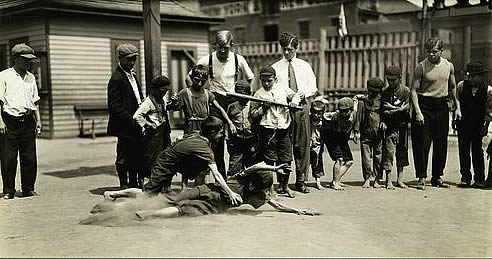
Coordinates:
93	113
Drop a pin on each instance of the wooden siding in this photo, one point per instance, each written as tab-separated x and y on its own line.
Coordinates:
80	70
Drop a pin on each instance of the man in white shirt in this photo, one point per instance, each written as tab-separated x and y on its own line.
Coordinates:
124	96
225	69
297	74
19	122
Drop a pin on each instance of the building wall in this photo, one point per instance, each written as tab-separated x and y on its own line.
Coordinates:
288	21
81	60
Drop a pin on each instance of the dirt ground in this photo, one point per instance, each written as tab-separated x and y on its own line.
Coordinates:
73	173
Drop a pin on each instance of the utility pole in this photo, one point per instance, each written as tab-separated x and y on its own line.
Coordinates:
424	28
152	40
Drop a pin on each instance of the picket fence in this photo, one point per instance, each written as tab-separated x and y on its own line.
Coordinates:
344	65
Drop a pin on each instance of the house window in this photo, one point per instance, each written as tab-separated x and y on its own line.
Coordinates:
335	21
239	35
270	32
304	29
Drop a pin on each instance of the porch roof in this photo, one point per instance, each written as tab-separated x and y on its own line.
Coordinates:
169	9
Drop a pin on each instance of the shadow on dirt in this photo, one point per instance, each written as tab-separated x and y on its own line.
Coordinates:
84	171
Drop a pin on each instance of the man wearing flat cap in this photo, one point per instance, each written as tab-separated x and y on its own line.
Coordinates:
475	100
124	97
19	122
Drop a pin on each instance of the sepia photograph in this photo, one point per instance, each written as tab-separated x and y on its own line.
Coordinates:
245	128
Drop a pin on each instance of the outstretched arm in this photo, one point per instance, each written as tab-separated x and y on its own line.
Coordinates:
258	167
235	198
284	208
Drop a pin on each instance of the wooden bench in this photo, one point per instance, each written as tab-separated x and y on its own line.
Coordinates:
94	113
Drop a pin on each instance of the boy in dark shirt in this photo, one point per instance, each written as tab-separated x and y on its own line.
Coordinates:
189	156
336	128
371	132
253	184
242	144
396	105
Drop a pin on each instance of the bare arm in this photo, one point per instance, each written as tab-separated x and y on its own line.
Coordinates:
37	117
235	198
419	117
452	92
3	127
284	208
226	117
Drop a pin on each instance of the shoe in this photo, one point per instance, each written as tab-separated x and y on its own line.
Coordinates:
439	183
301	187
421	184
29	194
464	184
8	196
478	185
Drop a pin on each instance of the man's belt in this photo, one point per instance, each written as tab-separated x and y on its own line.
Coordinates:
22	118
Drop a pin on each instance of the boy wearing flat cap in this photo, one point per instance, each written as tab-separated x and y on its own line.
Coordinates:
371	127
152	117
475	99
396	115
275	142
19	122
335	131
124	97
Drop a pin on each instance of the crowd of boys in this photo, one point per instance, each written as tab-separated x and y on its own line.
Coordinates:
288	121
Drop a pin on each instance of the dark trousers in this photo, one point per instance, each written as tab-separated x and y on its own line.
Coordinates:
155	141
20	140
301	138
129	160
465	141
218	148
435	131
242	153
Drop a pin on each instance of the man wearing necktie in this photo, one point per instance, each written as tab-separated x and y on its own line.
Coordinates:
298	75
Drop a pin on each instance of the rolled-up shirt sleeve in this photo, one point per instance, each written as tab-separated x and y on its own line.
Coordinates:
143	109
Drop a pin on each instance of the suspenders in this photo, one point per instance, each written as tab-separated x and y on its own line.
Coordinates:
211	71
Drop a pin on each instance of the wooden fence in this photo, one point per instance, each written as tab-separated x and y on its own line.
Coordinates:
344	65
259	54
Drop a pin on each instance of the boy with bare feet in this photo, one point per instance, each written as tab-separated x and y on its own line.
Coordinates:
336	130
396	114
372	130
316	146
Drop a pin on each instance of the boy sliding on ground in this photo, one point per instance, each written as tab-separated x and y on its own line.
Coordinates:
253	184
189	156
336	133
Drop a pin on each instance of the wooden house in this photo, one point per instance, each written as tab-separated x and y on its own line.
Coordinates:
76	42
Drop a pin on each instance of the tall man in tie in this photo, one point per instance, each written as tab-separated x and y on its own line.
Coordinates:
124	97
298	75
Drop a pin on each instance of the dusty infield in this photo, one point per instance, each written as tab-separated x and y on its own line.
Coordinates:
361	222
